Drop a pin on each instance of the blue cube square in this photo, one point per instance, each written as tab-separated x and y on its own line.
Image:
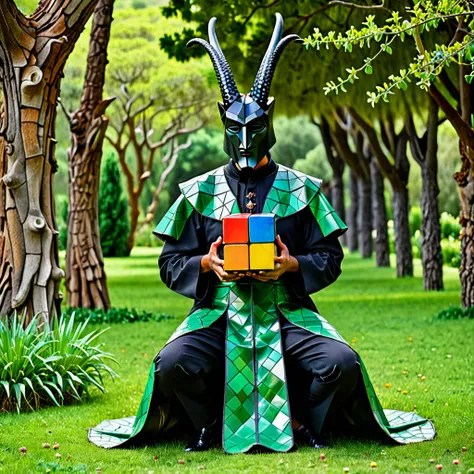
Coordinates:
262	228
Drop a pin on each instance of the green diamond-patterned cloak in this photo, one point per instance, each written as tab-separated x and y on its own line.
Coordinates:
256	411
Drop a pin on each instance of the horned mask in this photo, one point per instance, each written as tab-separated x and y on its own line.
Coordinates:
247	118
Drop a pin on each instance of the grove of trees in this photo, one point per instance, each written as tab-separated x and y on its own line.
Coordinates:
141	97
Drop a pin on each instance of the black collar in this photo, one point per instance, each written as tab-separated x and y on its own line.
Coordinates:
249	173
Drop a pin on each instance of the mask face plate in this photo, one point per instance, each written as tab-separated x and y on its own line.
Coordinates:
249	131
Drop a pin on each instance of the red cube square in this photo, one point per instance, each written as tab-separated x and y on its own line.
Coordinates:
236	229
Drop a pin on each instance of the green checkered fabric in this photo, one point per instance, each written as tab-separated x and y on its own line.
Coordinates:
256	399
113	433
210	195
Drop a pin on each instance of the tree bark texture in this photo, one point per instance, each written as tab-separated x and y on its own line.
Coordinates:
466	270
353	230
379	216
33	52
431	256
85	276
402	233
460	117
337	165
401	210
365	219
397	173
425	151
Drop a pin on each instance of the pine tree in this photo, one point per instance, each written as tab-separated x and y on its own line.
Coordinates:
113	211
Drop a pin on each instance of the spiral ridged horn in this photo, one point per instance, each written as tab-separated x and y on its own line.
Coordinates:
263	80
224	75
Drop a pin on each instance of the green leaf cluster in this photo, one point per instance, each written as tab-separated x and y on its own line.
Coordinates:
423	68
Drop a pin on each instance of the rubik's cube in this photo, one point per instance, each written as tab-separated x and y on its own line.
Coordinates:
249	242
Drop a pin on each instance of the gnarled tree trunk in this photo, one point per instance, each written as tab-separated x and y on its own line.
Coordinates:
85	276
33	52
379	216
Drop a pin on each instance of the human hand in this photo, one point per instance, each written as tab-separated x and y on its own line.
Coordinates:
211	261
284	263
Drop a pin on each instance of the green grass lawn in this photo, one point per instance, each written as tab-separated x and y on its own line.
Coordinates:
389	321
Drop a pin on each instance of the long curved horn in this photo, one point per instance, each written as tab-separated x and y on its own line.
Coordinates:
211	33
261	86
224	75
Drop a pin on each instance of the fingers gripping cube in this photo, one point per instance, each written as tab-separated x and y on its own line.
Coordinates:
249	242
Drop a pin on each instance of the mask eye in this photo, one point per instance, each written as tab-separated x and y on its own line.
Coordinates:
257	128
233	129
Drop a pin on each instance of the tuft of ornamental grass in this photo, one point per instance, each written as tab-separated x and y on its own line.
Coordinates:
49	364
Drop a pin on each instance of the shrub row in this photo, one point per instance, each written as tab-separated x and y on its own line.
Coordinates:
113	315
456	312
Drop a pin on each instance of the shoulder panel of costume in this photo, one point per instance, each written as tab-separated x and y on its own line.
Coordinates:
210	195
326	216
173	222
291	192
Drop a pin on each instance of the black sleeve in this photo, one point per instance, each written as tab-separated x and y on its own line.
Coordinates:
319	258
180	261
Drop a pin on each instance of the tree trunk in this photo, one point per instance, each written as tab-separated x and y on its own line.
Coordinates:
402	233
337	197
397	173
85	276
465	180
465	177
466	270
33	52
353	232
431	255
134	213
337	166
379	214
365	219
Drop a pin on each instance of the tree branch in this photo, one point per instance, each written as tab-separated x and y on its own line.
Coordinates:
340	139
415	143
171	159
462	127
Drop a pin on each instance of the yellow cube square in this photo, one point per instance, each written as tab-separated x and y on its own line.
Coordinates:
261	256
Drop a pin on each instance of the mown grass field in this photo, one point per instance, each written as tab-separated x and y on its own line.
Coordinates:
389	321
